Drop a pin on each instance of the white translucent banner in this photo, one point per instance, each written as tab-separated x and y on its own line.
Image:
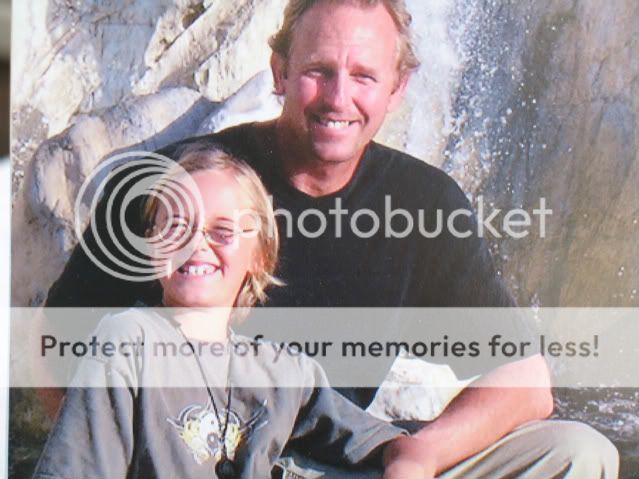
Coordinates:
144	347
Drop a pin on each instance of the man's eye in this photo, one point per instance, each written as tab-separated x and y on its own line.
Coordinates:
365	77
318	72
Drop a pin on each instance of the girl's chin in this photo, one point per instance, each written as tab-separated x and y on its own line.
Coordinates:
196	301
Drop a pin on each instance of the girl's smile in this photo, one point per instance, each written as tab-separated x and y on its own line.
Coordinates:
221	249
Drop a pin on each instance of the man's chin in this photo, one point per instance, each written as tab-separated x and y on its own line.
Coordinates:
331	155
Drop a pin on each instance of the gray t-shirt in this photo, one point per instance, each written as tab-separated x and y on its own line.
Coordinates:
120	420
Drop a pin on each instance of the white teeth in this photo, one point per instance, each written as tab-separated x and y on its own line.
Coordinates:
335	124
200	270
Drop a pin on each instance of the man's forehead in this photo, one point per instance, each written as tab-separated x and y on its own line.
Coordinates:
323	15
327	33
329	25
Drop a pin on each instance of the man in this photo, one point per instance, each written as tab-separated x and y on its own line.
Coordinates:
340	67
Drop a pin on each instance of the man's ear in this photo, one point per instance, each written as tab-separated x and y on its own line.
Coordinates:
278	67
398	94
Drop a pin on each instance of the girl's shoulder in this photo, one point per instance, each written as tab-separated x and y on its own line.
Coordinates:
135	323
278	364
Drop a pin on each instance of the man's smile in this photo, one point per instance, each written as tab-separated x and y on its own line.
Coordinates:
334	124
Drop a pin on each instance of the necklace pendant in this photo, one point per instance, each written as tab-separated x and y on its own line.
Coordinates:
226	469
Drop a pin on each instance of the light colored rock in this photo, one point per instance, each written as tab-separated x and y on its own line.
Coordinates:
212	53
62	163
242	52
169	27
254	101
44	212
415	390
73	59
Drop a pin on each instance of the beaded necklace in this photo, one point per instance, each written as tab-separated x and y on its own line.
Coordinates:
225	468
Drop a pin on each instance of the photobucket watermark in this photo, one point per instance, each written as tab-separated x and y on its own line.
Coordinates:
122	250
460	223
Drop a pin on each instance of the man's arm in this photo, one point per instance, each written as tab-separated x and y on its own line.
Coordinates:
487	410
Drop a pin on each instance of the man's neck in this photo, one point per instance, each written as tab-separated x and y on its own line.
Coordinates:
319	179
310	175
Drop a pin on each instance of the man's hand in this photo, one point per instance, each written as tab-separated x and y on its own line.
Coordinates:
406	458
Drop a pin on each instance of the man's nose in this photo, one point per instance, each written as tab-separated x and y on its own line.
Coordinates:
337	91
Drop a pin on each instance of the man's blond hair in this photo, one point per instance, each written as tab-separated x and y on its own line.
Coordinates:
407	58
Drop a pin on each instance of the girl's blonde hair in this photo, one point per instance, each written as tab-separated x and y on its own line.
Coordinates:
203	156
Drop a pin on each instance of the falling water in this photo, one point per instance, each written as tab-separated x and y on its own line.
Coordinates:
477	111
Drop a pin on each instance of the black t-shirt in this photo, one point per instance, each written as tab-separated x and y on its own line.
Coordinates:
338	268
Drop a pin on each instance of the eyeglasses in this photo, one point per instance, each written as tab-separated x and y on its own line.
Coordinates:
181	232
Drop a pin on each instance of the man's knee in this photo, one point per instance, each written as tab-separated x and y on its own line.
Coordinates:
582	448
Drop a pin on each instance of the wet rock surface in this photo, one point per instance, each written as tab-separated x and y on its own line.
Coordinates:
612	412
548	108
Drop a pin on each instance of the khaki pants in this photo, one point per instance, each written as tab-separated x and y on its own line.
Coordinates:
538	450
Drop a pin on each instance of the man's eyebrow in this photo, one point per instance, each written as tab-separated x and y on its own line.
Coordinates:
316	63
365	70
311	63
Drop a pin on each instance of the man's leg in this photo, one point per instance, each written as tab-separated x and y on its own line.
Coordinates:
539	450
543	450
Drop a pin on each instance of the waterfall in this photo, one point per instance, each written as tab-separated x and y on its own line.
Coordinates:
462	95
432	88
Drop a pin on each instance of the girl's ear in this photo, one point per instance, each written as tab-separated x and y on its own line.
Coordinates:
257	262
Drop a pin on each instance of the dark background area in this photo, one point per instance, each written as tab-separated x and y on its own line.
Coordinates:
5	40
4	107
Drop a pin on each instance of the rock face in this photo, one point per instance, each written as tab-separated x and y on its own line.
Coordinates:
415	390
549	108
102	78
45	211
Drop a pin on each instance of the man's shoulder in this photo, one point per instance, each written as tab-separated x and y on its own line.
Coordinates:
238	140
410	173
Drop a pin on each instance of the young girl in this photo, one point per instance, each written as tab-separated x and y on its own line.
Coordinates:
166	411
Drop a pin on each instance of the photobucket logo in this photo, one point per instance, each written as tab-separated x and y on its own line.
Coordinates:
124	182
131	178
395	222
